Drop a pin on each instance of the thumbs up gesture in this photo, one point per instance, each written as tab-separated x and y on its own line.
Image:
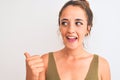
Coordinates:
34	66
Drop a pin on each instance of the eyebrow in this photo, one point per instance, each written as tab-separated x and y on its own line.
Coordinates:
78	19
64	19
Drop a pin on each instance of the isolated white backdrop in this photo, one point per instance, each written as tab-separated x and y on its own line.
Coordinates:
31	25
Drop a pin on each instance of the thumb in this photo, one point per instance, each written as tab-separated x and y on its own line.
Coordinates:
27	55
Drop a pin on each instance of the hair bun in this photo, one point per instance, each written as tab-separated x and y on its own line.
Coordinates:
78	0
82	0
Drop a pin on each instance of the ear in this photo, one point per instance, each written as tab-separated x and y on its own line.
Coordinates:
59	29
88	30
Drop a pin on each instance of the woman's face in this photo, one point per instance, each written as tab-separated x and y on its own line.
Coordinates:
73	26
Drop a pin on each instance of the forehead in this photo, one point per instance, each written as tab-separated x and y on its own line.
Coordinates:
73	12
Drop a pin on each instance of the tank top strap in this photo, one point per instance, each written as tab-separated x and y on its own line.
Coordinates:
52	73
93	69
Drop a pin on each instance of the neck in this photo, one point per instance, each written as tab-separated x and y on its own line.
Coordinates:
74	53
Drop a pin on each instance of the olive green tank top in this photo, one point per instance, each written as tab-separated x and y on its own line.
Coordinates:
52	73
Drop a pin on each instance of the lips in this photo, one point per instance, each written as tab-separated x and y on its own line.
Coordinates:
71	38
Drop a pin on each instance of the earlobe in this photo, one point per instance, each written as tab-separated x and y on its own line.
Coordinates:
59	30
86	34
88	30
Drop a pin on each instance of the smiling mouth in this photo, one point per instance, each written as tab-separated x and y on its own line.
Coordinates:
71	38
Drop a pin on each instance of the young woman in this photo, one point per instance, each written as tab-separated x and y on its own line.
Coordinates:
72	62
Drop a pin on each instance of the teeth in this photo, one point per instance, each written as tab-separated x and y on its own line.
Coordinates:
72	37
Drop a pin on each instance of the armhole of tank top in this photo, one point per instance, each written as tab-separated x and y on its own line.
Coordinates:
93	69
52	73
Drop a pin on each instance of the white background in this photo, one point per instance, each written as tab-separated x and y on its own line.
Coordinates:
31	25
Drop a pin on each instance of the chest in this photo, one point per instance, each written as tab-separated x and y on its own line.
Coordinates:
73	70
60	69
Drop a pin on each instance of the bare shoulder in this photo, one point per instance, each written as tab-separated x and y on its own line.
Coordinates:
45	56
104	68
103	62
45	59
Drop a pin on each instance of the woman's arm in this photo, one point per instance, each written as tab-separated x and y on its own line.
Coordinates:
104	69
35	68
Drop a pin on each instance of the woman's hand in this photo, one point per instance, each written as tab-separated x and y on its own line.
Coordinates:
34	67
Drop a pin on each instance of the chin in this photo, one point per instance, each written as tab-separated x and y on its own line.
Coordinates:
71	47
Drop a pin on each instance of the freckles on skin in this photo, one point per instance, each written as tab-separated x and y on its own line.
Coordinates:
74	12
70	15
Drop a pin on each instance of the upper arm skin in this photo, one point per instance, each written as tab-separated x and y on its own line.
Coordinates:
45	60
104	69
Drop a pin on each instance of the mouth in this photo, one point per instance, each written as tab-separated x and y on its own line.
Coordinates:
71	38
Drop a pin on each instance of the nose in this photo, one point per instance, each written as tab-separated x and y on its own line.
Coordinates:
71	29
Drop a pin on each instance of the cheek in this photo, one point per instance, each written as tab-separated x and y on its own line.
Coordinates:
82	31
62	31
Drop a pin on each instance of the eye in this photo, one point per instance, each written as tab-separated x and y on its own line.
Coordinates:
78	23
64	23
